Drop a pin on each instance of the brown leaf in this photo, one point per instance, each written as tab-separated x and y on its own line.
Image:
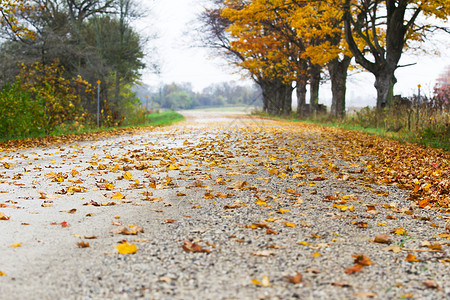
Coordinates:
189	246
355	269
270	231
127	230
83	244
382	239
431	284
362	260
341	284
169	221
296	279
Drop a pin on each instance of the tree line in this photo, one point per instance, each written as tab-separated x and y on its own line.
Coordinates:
287	44
55	53
182	96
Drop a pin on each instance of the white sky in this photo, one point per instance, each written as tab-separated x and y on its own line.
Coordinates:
182	62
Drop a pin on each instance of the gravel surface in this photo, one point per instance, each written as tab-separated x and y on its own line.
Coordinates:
257	201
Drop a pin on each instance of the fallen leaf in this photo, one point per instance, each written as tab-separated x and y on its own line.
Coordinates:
354	269
365	295
296	279
127	231
341	284
118	195
15	245
127	175
83	244
399	231
3	216
2	274
125	248
265	253
362	260
189	246
411	257
395	249
64	224
169	221
270	231
431	284
382	239
289	224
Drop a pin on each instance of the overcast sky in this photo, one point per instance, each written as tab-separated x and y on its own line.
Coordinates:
183	62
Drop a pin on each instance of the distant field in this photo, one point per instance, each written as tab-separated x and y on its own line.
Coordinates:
242	109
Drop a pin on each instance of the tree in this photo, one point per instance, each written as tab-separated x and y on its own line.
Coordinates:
386	27
218	36
10	14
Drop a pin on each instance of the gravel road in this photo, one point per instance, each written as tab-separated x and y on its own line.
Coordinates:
231	207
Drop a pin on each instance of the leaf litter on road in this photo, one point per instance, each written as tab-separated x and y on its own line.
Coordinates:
300	179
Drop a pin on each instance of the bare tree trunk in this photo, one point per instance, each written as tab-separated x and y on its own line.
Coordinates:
301	99
314	84
384	83
338	73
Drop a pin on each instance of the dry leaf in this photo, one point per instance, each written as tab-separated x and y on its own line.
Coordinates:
296	279
125	248
118	196
431	284
411	257
127	231
382	239
83	244
3	216
189	246
265	253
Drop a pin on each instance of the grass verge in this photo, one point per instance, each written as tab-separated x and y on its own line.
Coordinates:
438	138
92	133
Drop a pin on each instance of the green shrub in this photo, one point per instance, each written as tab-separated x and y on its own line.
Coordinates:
20	115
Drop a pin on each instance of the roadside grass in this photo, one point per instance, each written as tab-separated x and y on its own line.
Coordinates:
437	137
84	132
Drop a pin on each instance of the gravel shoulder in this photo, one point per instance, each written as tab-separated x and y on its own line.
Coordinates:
261	201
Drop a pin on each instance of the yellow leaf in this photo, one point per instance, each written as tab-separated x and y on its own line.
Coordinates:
127	175
304	243
2	274
173	167
317	254
15	245
400	231
118	195
282	210
261	202
126	248
256	282
289	224
273	172
109	186
381	224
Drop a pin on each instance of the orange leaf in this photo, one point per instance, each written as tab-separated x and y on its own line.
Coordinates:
296	279
354	269
411	257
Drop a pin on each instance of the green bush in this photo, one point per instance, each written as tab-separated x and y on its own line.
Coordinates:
20	115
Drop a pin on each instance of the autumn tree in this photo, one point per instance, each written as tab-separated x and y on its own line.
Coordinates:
387	27
217	35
